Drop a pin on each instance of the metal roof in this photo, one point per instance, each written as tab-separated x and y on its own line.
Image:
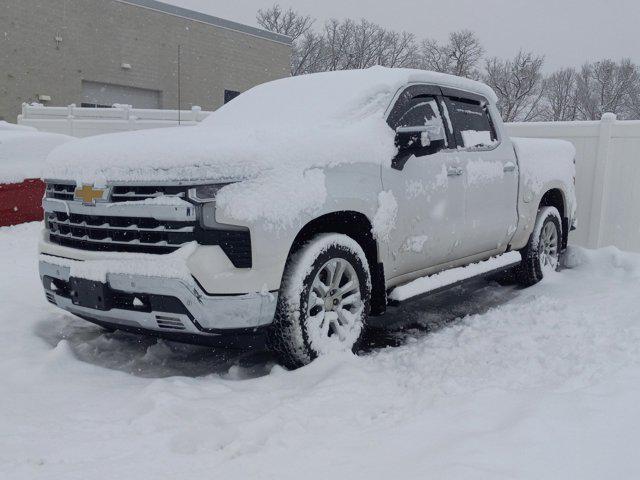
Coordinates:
208	19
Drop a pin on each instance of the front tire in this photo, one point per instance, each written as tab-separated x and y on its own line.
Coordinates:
324	301
542	253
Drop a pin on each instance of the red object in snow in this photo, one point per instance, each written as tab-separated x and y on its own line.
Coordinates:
21	202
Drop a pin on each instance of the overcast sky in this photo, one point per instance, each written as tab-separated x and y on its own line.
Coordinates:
567	32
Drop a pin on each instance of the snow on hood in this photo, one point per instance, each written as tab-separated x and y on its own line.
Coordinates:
277	136
23	151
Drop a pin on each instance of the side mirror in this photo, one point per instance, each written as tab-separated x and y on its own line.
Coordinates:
418	136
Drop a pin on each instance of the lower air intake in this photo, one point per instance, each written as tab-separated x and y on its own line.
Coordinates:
169	323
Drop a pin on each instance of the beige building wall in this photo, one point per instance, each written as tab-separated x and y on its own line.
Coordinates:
49	47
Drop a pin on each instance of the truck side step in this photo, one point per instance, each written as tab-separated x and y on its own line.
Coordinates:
446	279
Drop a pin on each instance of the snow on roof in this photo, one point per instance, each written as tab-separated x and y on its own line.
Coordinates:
23	151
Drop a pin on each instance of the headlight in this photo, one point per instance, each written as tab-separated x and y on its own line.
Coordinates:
205	193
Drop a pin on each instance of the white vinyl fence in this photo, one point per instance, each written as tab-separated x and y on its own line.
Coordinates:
607	179
85	122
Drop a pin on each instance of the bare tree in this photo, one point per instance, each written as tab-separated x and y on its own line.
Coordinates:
606	86
466	51
307	45
338	42
634	102
399	50
363	44
518	84
434	56
560	96
367	43
460	56
286	22
308	54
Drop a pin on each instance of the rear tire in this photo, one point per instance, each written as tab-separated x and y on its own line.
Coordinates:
324	301
542	252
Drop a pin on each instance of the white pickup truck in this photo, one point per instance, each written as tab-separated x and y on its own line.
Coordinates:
300	209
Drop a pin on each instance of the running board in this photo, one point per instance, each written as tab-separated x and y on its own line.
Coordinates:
450	278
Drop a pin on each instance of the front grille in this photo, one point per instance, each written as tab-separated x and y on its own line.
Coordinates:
60	191
138	234
143	235
119	193
122	234
137	193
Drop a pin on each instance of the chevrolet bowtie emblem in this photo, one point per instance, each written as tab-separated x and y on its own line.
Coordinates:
88	194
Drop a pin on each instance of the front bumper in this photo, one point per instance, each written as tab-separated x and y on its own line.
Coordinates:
159	304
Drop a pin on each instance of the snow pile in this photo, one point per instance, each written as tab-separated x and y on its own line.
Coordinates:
6	126
526	384
23	151
544	160
277	131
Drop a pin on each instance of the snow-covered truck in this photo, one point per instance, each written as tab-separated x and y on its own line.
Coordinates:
296	212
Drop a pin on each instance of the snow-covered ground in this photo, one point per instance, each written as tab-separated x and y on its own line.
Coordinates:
490	382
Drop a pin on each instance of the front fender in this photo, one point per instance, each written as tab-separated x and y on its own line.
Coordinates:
347	187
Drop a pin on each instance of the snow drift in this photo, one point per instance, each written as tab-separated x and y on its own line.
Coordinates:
527	384
23	151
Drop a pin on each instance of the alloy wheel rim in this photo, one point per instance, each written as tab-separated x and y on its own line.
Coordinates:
334	307
548	248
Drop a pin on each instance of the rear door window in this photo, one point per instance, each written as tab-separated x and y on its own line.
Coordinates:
471	123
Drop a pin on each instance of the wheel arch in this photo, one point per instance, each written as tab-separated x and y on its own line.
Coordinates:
555	197
357	226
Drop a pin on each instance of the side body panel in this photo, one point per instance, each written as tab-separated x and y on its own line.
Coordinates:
431	213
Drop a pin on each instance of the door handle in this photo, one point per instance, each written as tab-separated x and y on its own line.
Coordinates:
454	171
509	167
